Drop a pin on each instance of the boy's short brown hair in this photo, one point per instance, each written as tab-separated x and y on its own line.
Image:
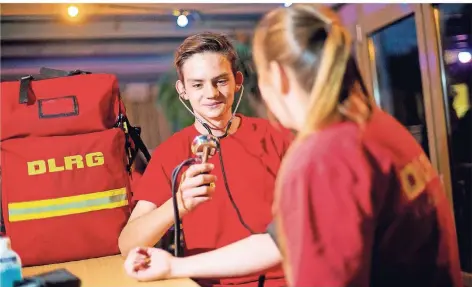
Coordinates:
205	42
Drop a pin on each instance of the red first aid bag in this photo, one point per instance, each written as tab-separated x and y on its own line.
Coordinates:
67	150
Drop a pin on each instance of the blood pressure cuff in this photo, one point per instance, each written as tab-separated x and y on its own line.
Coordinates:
272	231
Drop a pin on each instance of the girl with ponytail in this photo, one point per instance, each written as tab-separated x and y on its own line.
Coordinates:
357	201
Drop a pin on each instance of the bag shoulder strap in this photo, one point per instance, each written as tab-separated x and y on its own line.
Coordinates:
133	133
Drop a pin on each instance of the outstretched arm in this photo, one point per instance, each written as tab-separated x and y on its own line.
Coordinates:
250	255
254	254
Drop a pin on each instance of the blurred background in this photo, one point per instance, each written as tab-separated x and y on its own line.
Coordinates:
134	41
415	59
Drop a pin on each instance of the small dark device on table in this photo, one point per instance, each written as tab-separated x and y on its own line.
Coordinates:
56	278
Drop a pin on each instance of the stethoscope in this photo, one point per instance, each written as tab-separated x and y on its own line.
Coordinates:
205	125
218	149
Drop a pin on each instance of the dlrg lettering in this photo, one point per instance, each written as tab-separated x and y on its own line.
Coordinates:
51	165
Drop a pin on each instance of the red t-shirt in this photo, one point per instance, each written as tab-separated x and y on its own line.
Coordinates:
364	207
251	157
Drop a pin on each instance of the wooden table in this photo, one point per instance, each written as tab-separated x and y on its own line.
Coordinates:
104	272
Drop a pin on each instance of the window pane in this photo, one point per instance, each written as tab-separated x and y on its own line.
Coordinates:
455	27
399	88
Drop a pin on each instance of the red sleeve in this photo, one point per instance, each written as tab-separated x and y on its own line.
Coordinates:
155	184
323	225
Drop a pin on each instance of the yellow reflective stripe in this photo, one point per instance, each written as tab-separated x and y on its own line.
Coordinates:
68	199
48	214
28	210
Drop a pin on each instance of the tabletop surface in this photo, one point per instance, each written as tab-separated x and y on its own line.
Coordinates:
104	272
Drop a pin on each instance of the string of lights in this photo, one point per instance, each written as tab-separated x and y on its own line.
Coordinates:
183	17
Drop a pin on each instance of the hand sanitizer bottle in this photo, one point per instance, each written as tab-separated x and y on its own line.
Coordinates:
10	264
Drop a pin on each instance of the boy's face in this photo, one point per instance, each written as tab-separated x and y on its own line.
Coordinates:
209	84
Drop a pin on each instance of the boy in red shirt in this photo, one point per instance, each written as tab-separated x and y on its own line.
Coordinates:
357	203
253	149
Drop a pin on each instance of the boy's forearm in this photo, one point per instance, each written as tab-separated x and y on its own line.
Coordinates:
147	230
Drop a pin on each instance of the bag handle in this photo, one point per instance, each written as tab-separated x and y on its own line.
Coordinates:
54	73
44	73
24	88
